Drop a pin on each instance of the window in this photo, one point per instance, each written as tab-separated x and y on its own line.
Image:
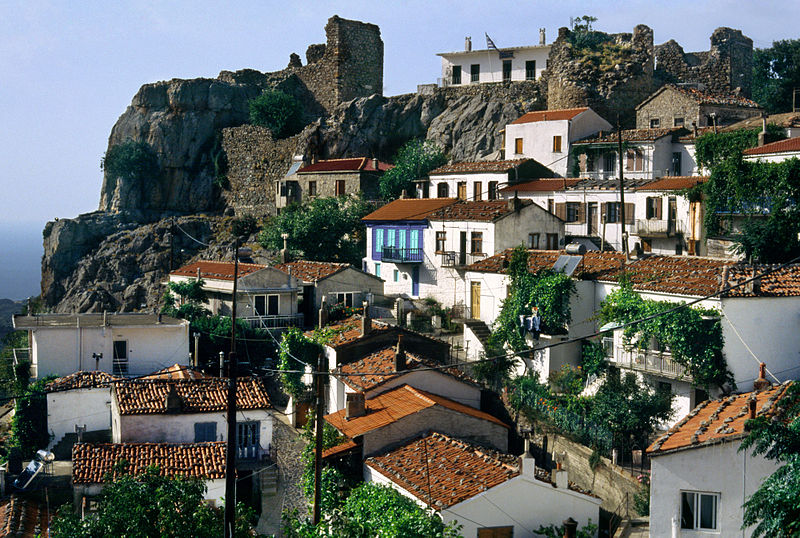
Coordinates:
530	70
396	276
533	241
552	241
635	160
442	191
379	240
653	208
573	211
312	188
655	123
477	243
273	301
493	190
518	146
676	163
612	212
339	187
461	187
590	162
260	302
120	363
699	510
557	144
664	387
551	205
506	70
496	532
205	432
609	163
378	270
345	298
247	439
477	187
475	73
456	74
266	305
677	122
441	238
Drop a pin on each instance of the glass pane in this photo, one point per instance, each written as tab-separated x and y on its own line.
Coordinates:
273	305
260	301
687	510
708	511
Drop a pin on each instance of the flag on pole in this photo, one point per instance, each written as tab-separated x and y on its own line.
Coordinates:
489	43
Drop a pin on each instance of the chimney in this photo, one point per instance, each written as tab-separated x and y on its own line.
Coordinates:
468	44
198	273
761	383
174	402
762	136
366	321
694	128
323	314
752	408
399	355
376	164
404	194
285	258
105	318
355	406
542	39
528	466
559	476
514	204
570	528
756	283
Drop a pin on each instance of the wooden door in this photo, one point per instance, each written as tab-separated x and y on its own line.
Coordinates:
475	299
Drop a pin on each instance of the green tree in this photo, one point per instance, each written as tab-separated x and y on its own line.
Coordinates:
150	505
325	229
185	300
413	161
774	508
281	113
131	160
294	353
776	73
29	423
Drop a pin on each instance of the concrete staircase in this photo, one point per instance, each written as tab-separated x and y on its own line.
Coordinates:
63	449
479	329
269	481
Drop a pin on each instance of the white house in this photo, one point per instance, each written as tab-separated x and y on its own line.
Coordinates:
117	343
192	411
494	65
699	479
266	297
477	181
547	135
91	463
781	150
488	493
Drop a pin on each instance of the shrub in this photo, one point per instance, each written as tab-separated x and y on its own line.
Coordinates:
277	111
131	160
245	226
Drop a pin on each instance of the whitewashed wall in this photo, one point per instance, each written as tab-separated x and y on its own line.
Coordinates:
491	69
68	408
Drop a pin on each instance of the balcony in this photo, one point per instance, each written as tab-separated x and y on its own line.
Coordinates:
275	322
402	255
658	363
657	228
459	259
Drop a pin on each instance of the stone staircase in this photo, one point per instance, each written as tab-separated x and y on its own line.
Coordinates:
63	449
269	481
479	329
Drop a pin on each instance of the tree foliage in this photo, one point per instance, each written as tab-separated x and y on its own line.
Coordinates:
776	73
295	352
280	112
559	531
582	36
413	161
325	229
774	508
29	423
131	160
185	300
150	505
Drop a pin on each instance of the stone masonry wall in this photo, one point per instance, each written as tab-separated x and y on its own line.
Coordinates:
666	107
353	184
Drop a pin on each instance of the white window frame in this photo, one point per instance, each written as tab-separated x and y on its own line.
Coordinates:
696	509
342	297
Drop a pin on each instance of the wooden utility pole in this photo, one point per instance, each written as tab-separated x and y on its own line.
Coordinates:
318	430
230	452
622	194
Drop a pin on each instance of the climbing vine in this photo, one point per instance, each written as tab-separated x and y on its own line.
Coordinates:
692	335
294	353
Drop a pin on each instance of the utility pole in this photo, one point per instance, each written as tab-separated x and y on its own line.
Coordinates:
320	379
230	453
622	194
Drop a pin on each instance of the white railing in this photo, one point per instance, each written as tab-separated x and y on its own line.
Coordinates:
661	227
650	361
275	322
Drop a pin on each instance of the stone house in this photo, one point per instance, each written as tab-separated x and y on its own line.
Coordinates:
699	478
477	181
332	177
91	463
687	106
489	493
547	135
123	344
775	152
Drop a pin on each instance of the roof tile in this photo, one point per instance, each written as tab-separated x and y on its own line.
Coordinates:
549	115
781	146
631	135
311	271
217	270
23	517
542	185
478	167
409	209
176	371
673	183
483	211
81	380
353	164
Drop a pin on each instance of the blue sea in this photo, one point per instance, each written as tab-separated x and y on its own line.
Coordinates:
20	259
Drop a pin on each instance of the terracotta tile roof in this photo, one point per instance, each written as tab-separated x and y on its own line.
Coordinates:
341	448
92	462
478	167
715	421
409	209
348	331
396	404
608	184
549	115
595	263
382	363
217	270
24	517
673	183
542	185
176	371
309	271
690	136
484	211
785	120
708	98
457	470
631	135
781	146
354	164
782	283
81	380
148	397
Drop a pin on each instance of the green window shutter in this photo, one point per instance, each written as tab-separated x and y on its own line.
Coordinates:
379	240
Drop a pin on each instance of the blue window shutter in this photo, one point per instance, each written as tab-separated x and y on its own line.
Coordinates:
390	238
378	270
379	240
402	240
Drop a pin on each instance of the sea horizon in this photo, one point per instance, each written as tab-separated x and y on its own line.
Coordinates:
20	259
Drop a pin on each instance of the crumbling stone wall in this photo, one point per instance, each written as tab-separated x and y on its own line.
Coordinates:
726	68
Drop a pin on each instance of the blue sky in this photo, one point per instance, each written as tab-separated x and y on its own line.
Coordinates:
69	69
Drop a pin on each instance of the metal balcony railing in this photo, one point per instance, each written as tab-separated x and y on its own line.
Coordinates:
650	361
460	259
275	322
657	227
402	255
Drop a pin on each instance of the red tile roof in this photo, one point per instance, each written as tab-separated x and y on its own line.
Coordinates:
81	380
630	135
782	283
455	469
541	185
673	183
341	448
690	136
309	271
478	167
409	209
785	120
781	146
484	211
715	421
549	115
216	270
348	331
92	462
396	404
149	397
176	371
23	517
354	164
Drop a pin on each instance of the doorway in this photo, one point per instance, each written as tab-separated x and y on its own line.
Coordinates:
415	281
462	252
591	218
475	299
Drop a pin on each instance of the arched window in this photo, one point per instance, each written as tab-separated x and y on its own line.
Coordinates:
442	190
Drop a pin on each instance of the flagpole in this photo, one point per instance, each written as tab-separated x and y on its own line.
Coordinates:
489	53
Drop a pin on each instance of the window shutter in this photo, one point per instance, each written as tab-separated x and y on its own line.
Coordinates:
581	213
629	209
658	203
603	214
561	211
